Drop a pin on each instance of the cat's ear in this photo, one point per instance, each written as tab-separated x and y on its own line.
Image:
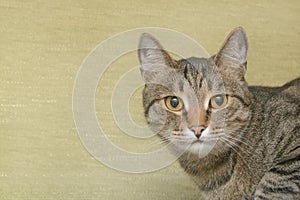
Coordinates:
233	55
153	58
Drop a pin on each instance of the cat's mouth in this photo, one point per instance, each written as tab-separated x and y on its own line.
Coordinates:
189	136
201	148
197	141
186	140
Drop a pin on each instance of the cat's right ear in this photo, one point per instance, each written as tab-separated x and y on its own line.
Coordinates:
232	58
153	58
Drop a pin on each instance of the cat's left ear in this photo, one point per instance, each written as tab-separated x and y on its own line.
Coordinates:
233	55
153	58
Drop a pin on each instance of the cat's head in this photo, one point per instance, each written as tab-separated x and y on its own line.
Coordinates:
199	105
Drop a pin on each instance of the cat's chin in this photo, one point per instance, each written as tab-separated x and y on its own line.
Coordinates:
198	148
201	148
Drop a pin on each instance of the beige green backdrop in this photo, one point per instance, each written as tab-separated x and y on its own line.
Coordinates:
42	45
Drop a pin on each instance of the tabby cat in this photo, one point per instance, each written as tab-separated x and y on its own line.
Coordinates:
235	141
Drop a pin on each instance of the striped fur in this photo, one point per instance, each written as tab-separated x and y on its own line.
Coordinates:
256	154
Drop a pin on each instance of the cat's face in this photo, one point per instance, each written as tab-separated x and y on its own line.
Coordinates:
199	105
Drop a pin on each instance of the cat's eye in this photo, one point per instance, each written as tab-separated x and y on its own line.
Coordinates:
173	103
218	101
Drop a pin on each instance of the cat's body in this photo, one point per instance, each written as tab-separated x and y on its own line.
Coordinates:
237	142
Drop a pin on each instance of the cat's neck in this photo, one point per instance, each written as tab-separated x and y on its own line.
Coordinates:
210	172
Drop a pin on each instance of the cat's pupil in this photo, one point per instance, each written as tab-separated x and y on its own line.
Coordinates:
219	99
174	102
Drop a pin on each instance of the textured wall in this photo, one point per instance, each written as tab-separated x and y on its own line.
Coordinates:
43	43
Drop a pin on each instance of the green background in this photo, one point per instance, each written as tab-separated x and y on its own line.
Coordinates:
42	45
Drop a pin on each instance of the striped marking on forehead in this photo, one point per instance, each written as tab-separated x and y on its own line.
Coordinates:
194	71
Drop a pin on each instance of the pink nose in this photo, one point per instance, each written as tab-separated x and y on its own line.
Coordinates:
198	130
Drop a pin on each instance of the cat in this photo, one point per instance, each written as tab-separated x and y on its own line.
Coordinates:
235	141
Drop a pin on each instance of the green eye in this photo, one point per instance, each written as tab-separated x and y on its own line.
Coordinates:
173	103
219	101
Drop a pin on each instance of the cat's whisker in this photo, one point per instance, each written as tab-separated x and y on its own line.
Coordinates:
178	137
156	143
237	149
240	139
233	146
233	142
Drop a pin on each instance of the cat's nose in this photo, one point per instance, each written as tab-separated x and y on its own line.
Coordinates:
197	130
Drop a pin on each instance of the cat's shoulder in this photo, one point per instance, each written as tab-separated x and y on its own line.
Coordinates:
295	82
292	89
289	92
278	102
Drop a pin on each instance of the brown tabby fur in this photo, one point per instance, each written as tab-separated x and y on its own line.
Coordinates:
257	135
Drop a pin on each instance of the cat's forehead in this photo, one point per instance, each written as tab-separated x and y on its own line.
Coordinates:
199	64
202	72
